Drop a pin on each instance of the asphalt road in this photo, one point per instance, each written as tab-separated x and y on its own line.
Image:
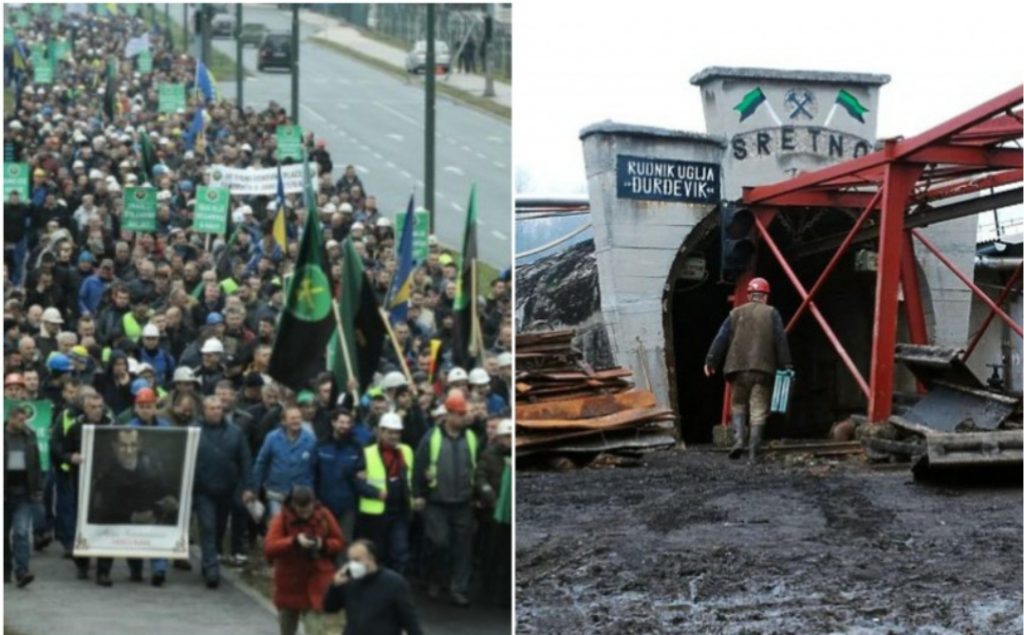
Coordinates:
374	120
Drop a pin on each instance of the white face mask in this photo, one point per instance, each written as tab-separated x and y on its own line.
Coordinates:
356	569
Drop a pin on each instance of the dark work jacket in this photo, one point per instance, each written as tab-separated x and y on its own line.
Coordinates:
63	445
751	338
223	462
32	485
378	604
336	463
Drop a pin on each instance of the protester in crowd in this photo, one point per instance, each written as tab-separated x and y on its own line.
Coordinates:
339	460
23	491
302	543
285	460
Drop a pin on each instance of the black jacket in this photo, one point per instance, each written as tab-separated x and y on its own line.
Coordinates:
31	486
223	462
378	604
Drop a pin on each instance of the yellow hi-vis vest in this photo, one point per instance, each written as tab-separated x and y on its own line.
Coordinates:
131	327
377	476
66	422
435	452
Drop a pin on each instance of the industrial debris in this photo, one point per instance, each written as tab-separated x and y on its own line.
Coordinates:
565	407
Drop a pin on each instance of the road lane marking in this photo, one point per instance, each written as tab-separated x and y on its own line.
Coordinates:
499	164
397	113
362	169
481	155
315	113
458	208
467	148
454	170
406	174
497	234
391	165
496	139
397	137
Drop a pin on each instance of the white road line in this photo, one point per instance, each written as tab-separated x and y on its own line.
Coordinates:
314	113
496	139
497	234
397	137
481	155
439	194
454	170
458	208
391	165
451	141
499	164
378	156
420	183
406	174
397	113
362	169
467	148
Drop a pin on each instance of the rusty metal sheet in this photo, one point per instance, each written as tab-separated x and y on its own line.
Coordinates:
586	406
613	420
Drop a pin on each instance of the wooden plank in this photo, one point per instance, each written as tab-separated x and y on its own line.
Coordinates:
587	406
613	420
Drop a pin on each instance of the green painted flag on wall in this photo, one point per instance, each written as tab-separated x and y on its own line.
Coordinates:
750	102
852	106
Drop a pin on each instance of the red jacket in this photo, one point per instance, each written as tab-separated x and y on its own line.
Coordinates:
299	580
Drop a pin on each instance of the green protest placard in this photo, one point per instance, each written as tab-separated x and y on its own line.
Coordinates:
139	209
60	49
171	97
9	36
289	142
16	178
144	62
37	7
37	51
42	72
56	12
22	19
39	417
211	210
130	9
420	233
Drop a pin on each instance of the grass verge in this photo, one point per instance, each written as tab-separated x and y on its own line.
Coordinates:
481	103
222	65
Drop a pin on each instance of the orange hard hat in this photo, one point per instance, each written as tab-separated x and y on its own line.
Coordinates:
455	402
145	396
14	379
758	285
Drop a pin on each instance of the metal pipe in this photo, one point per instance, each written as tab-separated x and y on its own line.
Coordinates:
981	295
835	260
428	119
295	64
997	262
829	333
991	314
238	57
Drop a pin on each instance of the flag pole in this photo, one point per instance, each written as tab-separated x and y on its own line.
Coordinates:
344	350
394	343
475	336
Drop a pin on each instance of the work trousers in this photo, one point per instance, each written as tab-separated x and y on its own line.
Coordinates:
752	393
390	532
289	621
67	509
18	513
213	512
156	565
450	531
44	517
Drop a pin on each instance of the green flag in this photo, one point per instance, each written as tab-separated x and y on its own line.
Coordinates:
503	508
748	105
851	105
308	318
40	413
467	339
361	322
148	157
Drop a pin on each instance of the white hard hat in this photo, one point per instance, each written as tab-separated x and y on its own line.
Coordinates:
457	374
383	221
212	345
394	379
345	207
52	315
440	411
143	367
184	373
504	427
133	366
505	360
150	330
357	225
479	377
390	421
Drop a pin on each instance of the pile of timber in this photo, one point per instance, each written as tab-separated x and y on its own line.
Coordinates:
564	406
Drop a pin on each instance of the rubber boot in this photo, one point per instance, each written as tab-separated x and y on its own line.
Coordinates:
756	435
739	431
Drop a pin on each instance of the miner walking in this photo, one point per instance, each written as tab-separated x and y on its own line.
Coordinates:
752	341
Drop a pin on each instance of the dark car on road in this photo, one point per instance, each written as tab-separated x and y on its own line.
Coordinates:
275	51
252	33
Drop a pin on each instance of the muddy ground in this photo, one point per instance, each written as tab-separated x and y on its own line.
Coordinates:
694	543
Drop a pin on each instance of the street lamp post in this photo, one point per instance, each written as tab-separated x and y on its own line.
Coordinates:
295	64
428	144
238	57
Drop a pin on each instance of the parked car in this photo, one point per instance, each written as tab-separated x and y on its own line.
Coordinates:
223	24
252	33
416	59
275	51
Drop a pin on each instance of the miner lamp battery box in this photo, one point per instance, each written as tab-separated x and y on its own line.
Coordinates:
781	391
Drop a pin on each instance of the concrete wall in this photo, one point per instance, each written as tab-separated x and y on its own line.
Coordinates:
636	241
999	345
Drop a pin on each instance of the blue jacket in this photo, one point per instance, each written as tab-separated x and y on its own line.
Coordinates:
283	464
162	363
223	461
90	294
336	464
496	405
160	423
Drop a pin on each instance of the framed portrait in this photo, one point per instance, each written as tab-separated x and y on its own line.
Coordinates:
135	491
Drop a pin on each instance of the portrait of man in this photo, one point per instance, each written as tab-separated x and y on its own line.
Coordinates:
138	481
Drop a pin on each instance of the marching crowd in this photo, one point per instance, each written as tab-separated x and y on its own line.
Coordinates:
176	328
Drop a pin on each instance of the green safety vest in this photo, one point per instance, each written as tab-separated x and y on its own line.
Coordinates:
377	476
66	422
435	451
132	329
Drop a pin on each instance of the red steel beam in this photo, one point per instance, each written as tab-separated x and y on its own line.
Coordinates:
1007	100
824	198
991	314
836	344
899	183
981	295
972	185
913	306
827	271
1004	128
977	156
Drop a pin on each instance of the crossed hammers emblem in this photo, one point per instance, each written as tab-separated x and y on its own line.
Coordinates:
799	102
